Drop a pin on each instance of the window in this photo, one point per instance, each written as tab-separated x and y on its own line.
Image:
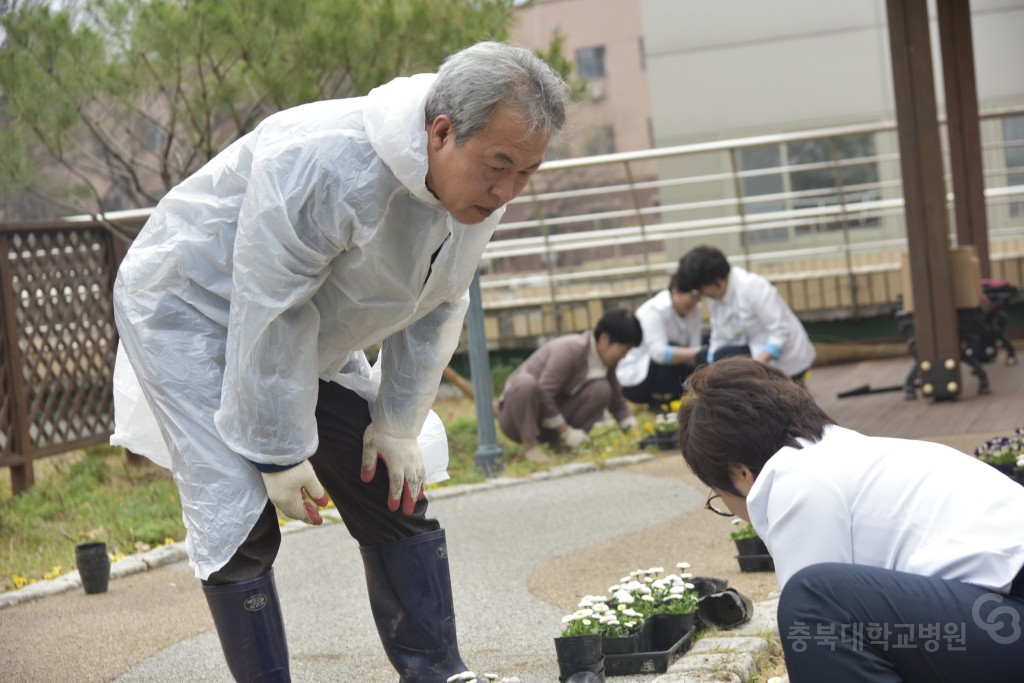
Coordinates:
590	62
1013	150
803	175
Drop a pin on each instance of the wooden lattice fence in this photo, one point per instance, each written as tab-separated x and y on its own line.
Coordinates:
58	340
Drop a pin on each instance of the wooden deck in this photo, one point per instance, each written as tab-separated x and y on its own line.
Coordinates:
963	423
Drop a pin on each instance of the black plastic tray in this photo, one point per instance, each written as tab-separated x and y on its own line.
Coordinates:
646	662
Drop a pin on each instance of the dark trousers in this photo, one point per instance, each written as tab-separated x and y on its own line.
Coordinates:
849	623
663	384
342	417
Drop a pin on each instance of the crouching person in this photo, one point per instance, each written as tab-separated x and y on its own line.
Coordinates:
564	387
899	560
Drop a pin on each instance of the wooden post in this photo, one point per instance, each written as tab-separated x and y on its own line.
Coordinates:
962	128
924	191
22	475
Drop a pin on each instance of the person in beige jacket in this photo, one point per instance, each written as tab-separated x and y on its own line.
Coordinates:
564	387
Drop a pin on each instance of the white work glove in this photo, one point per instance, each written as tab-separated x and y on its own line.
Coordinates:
404	461
288	490
573	438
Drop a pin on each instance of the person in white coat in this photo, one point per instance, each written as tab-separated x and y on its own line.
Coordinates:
246	301
748	315
653	372
899	560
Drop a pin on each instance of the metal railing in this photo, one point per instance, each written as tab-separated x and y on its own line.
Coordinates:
611	228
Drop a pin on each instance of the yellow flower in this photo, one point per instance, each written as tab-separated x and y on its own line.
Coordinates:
674	405
649	427
168	540
19	581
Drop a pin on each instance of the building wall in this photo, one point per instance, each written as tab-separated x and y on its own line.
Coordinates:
798	64
621	99
795	65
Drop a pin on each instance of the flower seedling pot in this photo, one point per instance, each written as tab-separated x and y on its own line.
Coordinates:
618	645
751	546
577	654
93	566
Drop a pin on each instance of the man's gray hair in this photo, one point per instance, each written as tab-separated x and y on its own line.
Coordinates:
471	84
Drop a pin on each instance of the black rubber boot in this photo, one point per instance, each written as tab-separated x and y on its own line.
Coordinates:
410	591
248	620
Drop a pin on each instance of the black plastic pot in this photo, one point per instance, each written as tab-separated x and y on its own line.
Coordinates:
579	654
751	546
93	566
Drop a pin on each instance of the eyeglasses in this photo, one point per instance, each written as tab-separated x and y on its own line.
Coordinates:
716	505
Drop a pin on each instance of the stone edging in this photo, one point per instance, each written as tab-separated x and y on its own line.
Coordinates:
175	552
728	656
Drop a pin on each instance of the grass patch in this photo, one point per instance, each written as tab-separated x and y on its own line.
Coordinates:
91	495
95	495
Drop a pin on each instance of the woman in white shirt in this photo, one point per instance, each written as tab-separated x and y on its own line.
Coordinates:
653	372
899	560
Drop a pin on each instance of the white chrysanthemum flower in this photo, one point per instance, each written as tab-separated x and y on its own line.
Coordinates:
677	590
685	576
625	579
607	619
660	584
601	608
568	617
689	586
683	565
672	597
585	612
586	602
644	590
647	598
631	613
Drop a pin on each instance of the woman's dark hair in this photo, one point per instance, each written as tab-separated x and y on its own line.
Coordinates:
621	326
738	411
703	265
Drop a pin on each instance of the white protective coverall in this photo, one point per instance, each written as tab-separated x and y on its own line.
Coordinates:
272	267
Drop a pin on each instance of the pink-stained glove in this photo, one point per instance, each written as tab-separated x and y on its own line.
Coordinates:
288	490
404	461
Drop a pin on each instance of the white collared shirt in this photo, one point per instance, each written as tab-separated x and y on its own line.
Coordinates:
912	506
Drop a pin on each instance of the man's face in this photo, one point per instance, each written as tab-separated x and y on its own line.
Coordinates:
683	302
611	352
488	170
715	290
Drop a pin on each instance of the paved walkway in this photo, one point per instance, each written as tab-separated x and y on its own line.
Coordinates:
522	553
